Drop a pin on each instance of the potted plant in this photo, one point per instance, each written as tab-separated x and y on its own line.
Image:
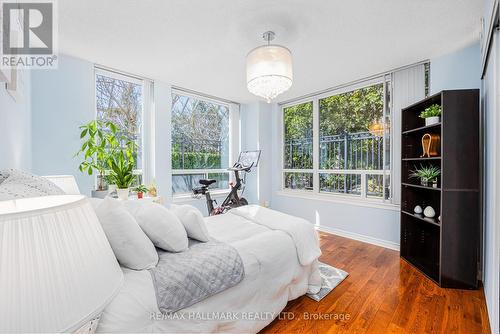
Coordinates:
431	114
141	190
122	164
99	140
427	175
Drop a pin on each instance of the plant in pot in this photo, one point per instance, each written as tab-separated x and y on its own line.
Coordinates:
432	114
99	140
122	164
427	175
141	190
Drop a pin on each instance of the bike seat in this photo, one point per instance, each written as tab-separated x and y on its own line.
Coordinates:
207	182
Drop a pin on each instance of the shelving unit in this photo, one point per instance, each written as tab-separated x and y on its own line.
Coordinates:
446	250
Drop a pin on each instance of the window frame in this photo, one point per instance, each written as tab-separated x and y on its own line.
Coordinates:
147	132
316	170
234	129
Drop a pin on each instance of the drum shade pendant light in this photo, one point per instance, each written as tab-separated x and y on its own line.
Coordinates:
269	69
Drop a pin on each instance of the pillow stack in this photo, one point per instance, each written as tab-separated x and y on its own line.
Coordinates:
135	228
20	184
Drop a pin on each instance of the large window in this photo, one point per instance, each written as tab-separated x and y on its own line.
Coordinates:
120	99
350	153
200	142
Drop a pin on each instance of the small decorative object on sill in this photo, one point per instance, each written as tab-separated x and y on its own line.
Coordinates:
429	212
141	190
152	190
432	114
430	145
418	209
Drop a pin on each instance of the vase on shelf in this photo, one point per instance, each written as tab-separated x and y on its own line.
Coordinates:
432	120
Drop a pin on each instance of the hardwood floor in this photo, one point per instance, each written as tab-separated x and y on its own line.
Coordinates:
383	294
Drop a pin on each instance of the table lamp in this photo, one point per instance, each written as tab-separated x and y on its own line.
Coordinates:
57	269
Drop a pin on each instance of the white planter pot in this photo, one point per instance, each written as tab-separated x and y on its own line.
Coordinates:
122	193
432	120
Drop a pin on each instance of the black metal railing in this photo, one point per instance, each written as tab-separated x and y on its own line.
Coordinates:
360	150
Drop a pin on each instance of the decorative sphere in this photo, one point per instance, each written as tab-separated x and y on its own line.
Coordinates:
418	209
429	212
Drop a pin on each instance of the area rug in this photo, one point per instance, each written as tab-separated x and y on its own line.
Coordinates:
330	278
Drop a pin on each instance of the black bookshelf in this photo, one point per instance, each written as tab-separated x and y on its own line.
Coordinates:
446	250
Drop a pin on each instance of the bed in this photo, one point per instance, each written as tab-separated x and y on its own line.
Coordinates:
273	275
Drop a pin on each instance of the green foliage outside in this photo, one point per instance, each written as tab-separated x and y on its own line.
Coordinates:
203	128
196	160
298	126
342	114
351	112
298	121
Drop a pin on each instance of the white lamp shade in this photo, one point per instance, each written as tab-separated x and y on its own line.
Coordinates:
269	71
57	269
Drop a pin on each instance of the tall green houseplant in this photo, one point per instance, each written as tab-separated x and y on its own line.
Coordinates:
122	164
99	143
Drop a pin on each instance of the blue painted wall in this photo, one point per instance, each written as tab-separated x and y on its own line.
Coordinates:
457	70
62	100
15	127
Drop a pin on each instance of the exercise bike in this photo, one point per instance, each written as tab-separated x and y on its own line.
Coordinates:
246	161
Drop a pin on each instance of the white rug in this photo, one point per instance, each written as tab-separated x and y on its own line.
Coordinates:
330	278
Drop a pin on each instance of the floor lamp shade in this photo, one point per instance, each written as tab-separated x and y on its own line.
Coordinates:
57	269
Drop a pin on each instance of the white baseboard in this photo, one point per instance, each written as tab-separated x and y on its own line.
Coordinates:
360	237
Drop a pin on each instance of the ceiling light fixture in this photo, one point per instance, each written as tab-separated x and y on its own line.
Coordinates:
269	69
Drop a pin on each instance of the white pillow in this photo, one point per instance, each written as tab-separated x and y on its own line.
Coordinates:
161	226
193	221
21	184
4	174
131	246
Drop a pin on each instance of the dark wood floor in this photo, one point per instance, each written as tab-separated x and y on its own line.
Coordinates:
383	294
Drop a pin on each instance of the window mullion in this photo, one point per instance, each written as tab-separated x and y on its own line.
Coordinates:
364	185
316	145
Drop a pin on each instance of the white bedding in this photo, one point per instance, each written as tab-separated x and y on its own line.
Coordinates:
273	276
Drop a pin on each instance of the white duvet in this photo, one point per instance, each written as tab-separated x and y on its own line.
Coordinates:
273	276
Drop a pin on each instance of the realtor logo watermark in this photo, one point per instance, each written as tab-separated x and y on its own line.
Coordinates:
28	34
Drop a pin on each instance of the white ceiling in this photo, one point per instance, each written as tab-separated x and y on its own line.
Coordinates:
202	44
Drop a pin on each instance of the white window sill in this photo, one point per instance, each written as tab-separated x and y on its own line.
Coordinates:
184	198
371	203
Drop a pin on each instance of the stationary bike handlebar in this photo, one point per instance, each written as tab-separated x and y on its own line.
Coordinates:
237	167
